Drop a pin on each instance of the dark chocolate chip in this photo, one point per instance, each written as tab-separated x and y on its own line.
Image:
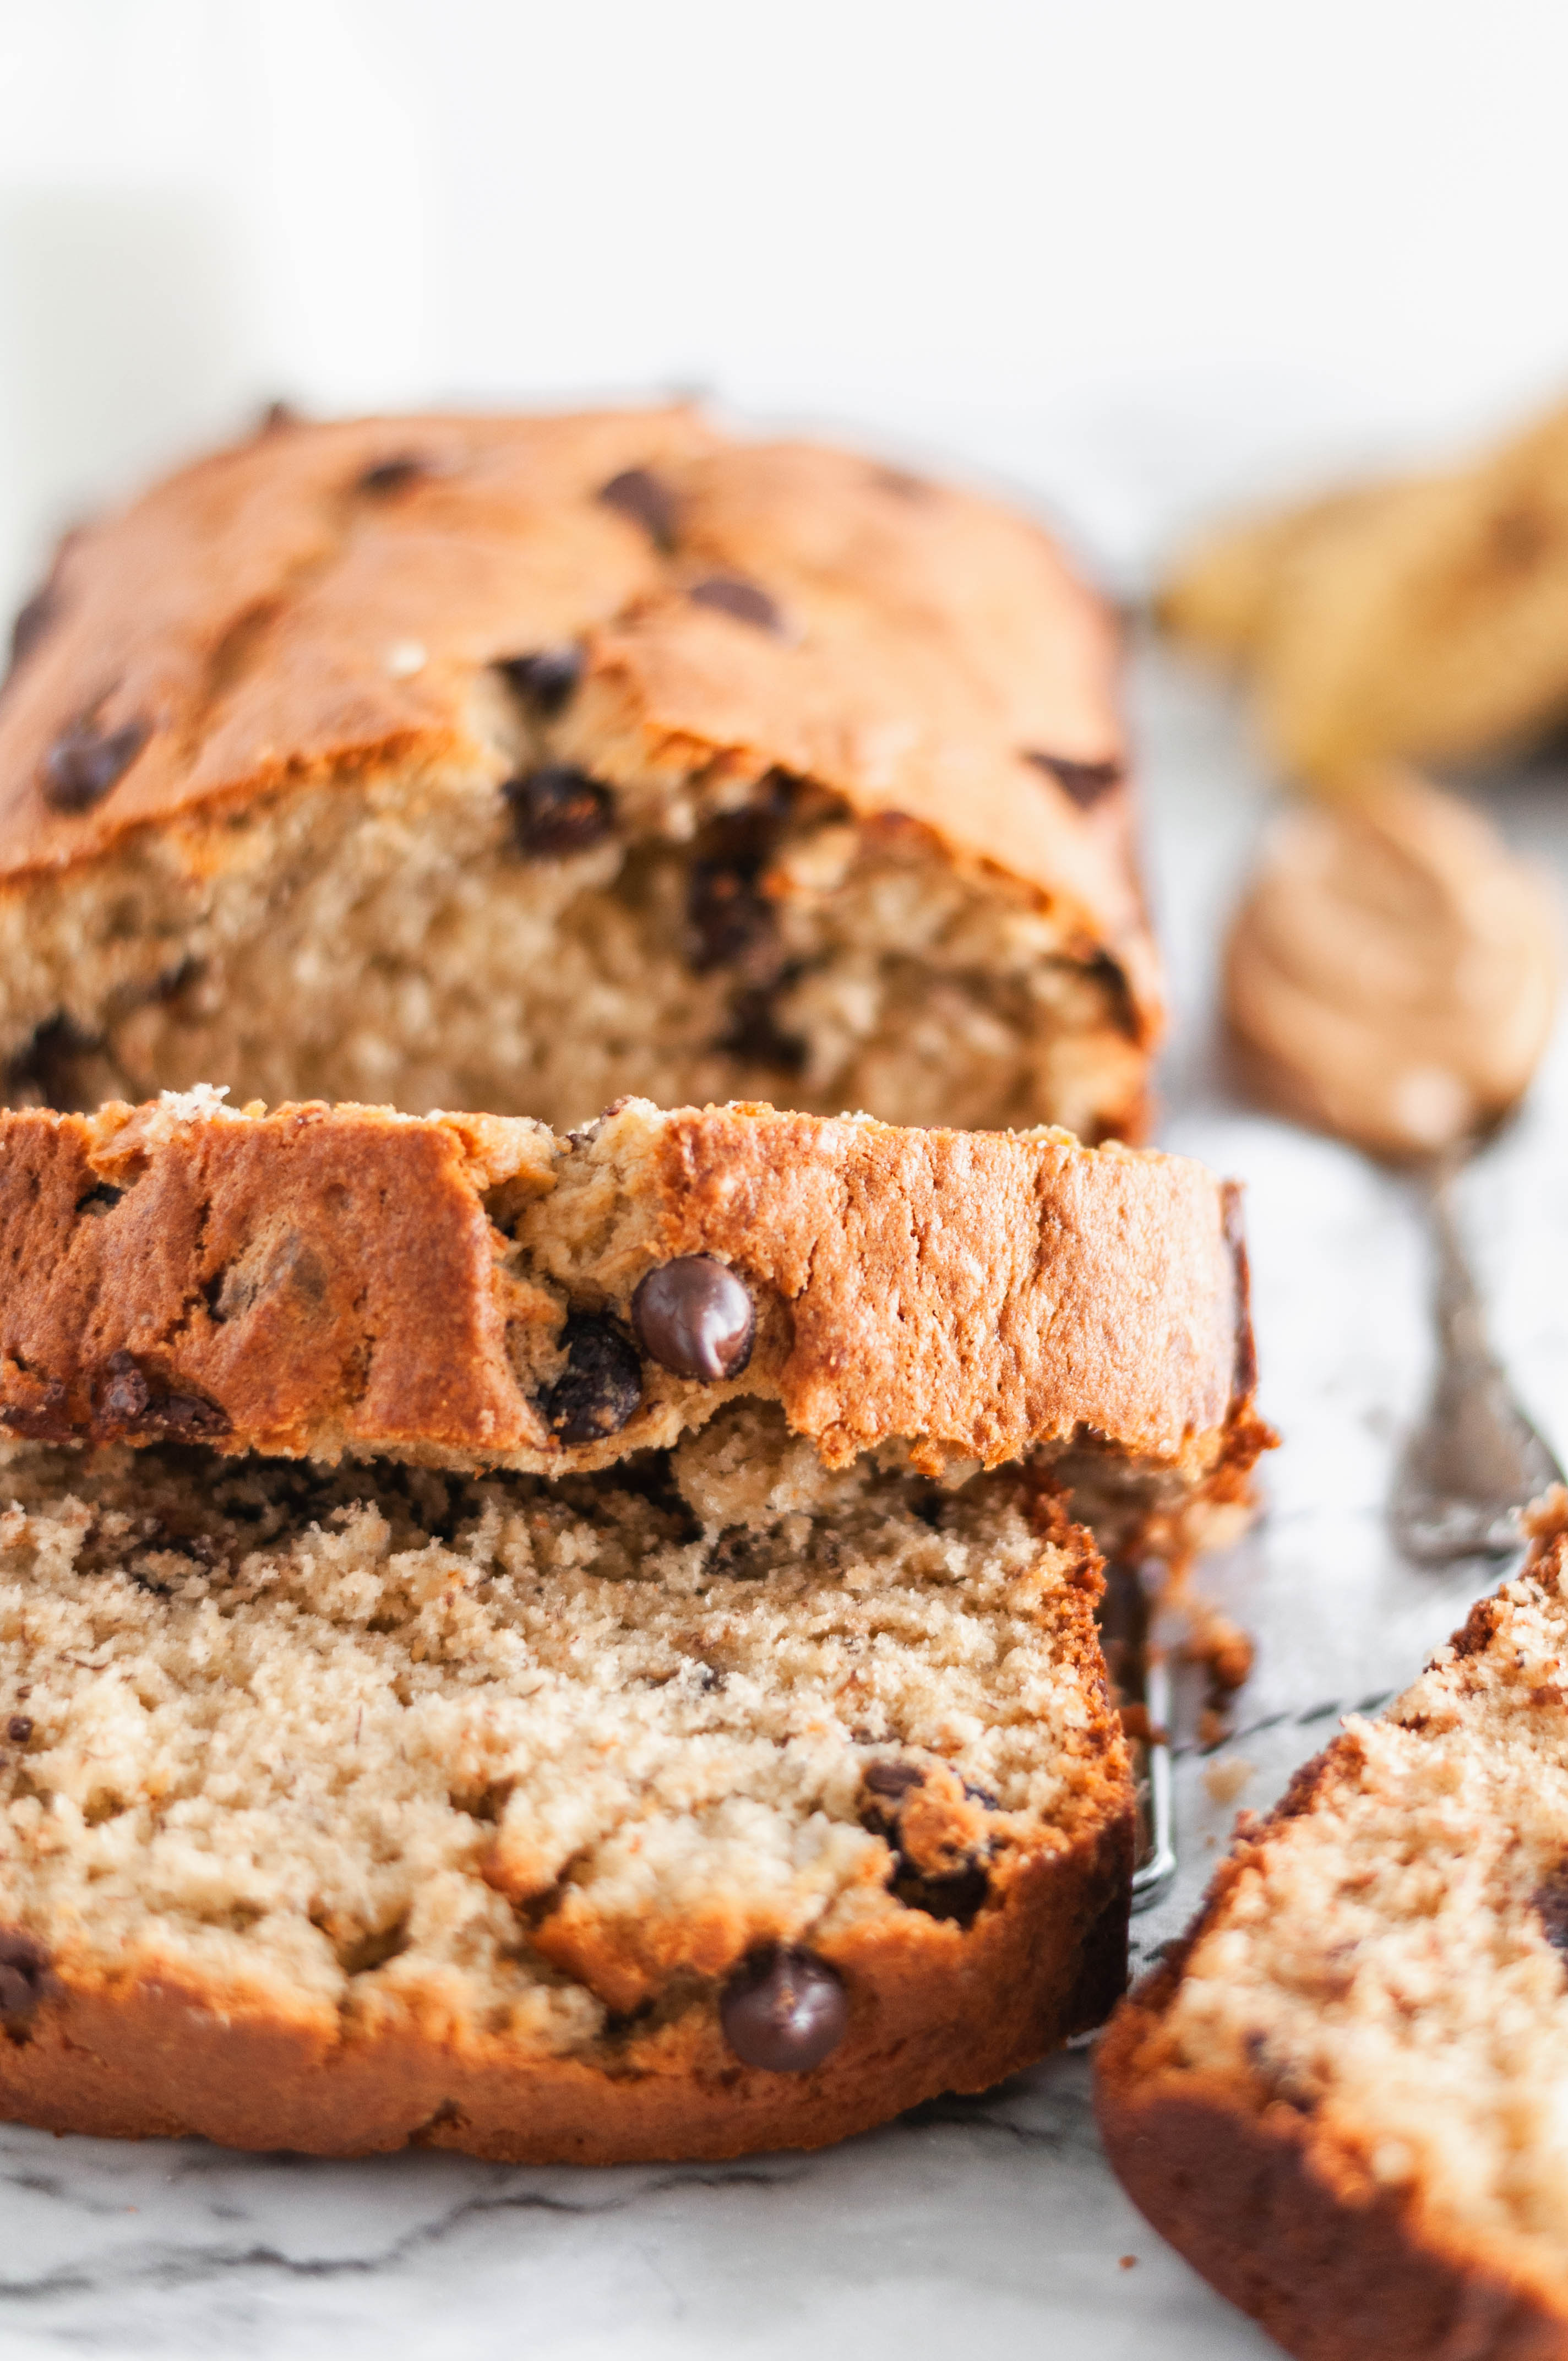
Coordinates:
33	620
393	474
557	811
19	1728
647	502
1084	782
1550	1902
892	1778
601	1384
546	680
982	1795
731	923
84	762
731	595
954	1894
785	2010
132	1403
24	1978
752	1032
696	1318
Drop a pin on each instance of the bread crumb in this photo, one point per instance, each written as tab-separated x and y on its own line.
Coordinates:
1225	1780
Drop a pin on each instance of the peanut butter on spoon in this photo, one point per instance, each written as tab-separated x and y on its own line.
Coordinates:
1392	971
1391	977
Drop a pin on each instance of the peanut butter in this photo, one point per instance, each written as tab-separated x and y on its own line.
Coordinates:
1392	971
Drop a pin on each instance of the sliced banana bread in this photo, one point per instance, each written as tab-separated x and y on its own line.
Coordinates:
475	1291
1345	2098
522	763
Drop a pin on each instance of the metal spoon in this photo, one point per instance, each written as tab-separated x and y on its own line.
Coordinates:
1475	1460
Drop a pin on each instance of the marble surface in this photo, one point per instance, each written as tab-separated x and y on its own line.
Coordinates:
994	2224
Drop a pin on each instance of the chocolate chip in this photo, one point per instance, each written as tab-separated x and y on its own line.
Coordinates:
648	502
892	1778
19	1728
546	680
132	1403
33	620
731	923
394	474
1550	1902
696	1318
24	1978
731	595
1084	782
600	1386
84	762
557	811
785	2010
752	1032
953	1894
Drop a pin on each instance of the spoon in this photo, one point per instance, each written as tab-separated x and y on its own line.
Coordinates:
1476	1459
1391	977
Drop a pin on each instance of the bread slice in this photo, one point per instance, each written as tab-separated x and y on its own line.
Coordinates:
473	1291
1345	2097
716	1801
525	762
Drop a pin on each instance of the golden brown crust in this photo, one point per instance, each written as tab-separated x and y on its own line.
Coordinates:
1291	2227
933	2007
929	644
317	1278
1277	2205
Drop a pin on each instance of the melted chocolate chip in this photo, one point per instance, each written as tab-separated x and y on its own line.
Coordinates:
730	921
84	762
955	1893
892	1778
557	811
600	1386
544	681
731	595
753	1032
647	502
132	1403
19	1728
695	1317
24	1978
1084	782
785	2010
394	474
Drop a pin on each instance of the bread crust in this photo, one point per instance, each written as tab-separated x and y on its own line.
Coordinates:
933	2007
1279	2208
928	646
320	1279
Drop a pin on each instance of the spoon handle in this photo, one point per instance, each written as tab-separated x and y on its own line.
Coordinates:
1475	1460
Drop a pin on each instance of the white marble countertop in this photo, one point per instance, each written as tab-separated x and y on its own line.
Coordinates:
988	2225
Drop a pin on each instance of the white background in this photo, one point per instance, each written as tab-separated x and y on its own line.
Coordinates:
1133	255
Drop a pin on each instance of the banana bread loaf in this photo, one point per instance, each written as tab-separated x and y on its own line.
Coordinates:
524	763
1345	2097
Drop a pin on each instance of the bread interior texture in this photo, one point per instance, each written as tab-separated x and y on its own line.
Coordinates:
1390	1968
463	937
543	1759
